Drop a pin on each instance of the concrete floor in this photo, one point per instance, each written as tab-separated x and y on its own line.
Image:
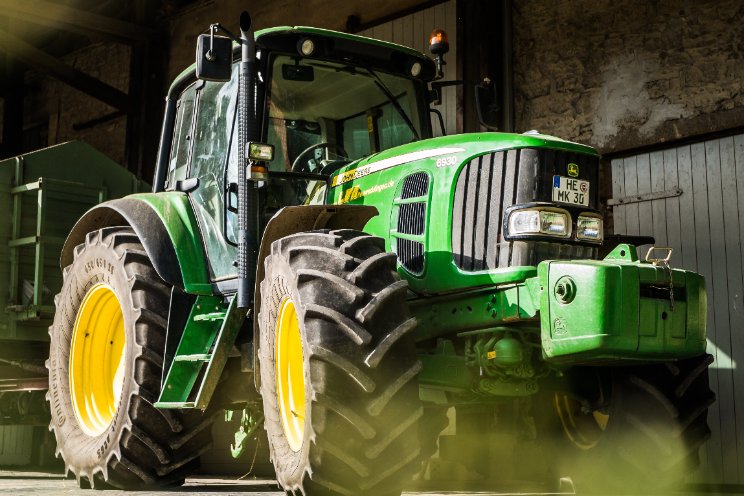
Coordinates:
50	484
39	483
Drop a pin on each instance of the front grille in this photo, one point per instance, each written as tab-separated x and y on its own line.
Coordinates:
484	186
489	183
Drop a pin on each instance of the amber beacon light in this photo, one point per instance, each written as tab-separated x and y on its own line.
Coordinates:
438	42
438	46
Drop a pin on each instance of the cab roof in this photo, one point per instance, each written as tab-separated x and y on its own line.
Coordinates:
382	55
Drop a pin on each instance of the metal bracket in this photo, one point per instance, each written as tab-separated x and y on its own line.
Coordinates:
250	421
659	261
664	263
644	197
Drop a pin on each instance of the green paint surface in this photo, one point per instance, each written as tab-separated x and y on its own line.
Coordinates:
382	189
175	211
621	310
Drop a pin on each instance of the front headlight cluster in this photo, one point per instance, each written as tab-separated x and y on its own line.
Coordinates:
552	222
589	228
531	221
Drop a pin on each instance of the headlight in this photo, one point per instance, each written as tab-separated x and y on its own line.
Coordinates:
539	222
589	228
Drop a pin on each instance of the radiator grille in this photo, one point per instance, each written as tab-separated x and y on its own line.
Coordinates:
484	186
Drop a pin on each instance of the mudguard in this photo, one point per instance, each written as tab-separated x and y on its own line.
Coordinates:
165	224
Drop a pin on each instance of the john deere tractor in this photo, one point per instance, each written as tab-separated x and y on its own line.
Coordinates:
310	250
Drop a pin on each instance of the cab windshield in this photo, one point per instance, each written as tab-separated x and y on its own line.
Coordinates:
322	114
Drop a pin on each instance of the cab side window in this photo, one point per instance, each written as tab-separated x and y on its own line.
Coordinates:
182	138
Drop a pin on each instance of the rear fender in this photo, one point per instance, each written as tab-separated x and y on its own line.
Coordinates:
167	228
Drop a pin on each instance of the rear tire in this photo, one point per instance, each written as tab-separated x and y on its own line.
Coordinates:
134	445
353	422
648	437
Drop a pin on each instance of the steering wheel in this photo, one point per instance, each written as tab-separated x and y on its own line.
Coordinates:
300	162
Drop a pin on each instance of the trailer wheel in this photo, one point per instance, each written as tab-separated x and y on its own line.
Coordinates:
648	436
338	366
105	367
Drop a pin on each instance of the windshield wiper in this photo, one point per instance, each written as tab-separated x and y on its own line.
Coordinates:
393	101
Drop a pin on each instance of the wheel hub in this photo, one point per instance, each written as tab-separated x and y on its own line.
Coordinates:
584	429
290	374
97	360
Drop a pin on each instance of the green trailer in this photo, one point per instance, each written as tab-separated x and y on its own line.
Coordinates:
312	256
42	193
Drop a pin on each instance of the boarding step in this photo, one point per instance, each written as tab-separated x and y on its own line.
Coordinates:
201	354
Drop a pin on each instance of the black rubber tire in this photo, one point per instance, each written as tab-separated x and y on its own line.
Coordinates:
143	447
657	425
361	426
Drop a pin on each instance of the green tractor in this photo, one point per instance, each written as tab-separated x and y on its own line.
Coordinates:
309	250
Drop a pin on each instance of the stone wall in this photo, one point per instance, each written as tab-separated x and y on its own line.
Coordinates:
620	75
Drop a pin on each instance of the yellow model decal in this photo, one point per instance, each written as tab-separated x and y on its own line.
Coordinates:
356	192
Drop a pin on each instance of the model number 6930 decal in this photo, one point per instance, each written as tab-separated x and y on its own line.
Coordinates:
446	161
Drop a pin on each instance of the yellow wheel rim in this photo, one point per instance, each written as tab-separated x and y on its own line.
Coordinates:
583	429
97	359
290	374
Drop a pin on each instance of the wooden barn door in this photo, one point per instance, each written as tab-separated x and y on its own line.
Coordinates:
692	199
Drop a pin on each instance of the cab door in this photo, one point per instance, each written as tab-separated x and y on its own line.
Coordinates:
203	135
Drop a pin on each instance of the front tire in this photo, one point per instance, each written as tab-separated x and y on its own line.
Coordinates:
338	366
646	437
105	366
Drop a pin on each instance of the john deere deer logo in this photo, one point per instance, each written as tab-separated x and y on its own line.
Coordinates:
573	170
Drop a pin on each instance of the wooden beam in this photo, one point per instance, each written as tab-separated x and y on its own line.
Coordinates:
12	93
33	57
58	16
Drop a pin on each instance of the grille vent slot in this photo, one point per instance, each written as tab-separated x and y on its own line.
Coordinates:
411	218
412	222
411	255
415	185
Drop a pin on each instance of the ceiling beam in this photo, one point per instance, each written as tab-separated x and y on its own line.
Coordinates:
33	57
58	16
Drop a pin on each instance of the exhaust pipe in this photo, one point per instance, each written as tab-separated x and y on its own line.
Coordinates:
247	195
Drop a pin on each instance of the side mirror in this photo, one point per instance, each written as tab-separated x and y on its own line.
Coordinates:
486	102
213	57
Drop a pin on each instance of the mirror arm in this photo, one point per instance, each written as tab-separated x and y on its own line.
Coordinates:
213	28
441	120
435	96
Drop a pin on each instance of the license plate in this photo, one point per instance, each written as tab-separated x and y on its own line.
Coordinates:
570	190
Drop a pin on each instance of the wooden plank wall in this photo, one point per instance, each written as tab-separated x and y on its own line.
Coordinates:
705	226
413	31
16	445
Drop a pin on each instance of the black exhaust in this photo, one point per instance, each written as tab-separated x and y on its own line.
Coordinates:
247	196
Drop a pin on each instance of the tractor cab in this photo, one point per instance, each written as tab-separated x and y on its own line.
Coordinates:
323	100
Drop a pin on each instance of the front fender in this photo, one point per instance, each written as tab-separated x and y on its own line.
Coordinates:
167	228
